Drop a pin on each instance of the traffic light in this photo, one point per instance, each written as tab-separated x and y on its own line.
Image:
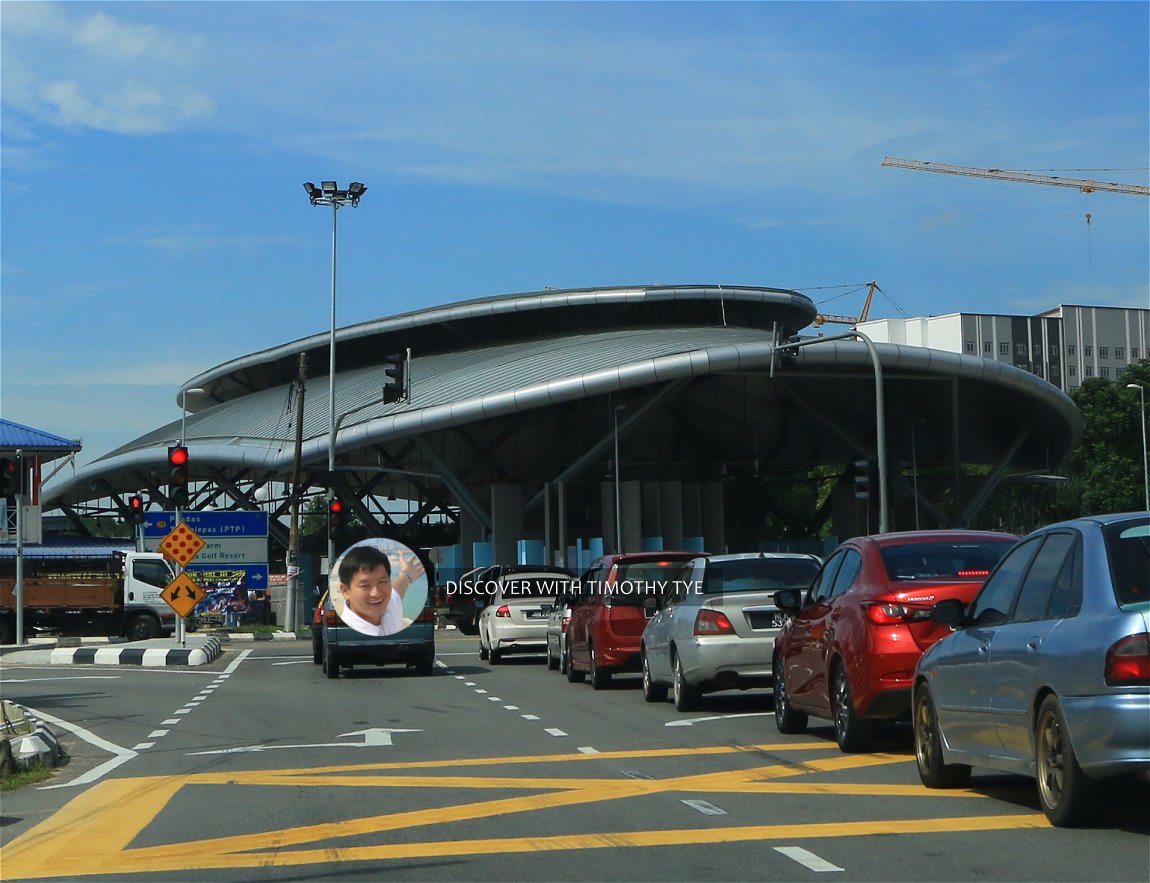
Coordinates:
862	480
395	390
178	476
9	477
136	513
335	515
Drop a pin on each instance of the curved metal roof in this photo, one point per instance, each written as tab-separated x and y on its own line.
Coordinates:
456	388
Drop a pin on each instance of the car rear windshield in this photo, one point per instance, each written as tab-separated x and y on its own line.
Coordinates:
642	579
1128	547
946	560
534	586
758	574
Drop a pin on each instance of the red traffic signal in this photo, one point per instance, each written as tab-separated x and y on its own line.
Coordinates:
136	509
178	456
178	476
335	513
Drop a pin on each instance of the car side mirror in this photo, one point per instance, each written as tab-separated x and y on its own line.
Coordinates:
951	612
547	608
790	601
480	603
650	604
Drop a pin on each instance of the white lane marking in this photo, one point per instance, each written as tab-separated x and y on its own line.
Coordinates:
372	738
531	717
296	662
715	717
707	809
480	691
169	722
806	858
235	663
181	711
65	678
454	654
554	731
157	734
587	749
122	755
494	699
469	683
511	707
461	677
142	746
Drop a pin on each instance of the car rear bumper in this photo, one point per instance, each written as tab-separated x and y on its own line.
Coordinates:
726	662
1110	734
514	635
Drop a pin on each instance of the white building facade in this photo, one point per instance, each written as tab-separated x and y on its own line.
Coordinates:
1065	346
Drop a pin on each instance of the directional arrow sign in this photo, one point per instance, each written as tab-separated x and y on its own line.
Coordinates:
182	595
372	738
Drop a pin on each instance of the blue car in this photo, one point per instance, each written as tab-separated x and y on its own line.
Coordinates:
1047	673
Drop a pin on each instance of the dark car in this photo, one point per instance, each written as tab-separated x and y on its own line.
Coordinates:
344	647
608	614
849	647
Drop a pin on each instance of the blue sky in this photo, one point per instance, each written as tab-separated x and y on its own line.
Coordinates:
153	156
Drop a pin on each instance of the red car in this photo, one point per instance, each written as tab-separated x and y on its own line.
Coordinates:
848	649
607	614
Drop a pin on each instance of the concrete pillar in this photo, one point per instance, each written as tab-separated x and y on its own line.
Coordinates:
470	531
506	521
671	501
714	527
630	494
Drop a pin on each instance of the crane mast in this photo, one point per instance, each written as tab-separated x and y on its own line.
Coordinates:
1086	186
823	318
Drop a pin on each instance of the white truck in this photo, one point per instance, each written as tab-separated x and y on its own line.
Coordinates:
87	590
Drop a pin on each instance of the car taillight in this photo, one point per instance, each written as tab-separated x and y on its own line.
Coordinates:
713	622
892	614
317	617
971	573
503	611
428	615
1128	662
331	618
564	623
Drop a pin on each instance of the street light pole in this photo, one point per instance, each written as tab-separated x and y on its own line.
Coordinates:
328	193
194	391
1145	459
618	508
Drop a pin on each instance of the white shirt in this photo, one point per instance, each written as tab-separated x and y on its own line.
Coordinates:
391	622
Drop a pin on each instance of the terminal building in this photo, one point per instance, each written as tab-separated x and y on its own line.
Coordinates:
554	425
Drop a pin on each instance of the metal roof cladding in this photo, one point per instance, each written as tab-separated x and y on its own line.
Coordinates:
17	437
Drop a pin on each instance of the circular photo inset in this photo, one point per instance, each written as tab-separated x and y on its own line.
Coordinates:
378	586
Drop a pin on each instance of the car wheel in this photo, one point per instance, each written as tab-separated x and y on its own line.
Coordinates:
933	771
851	731
600	677
652	692
317	652
552	661
1068	795
331	665
482	647
787	720
562	659
496	655
425	665
686	696
573	676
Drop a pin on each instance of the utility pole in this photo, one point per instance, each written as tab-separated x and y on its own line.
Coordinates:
290	602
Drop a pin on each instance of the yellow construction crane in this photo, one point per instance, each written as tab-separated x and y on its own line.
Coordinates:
823	318
1086	186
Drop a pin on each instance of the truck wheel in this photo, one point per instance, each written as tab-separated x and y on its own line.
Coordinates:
425	665
142	627
7	632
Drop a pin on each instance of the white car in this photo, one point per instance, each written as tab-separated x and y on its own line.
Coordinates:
715	629
516	604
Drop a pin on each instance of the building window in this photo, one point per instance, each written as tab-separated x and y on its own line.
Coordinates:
1020	349
1038	370
1120	352
1104	352
1004	349
1054	350
1071	349
1089	371
1104	372
1037	349
988	347
1118	372
1088	350
1071	370
1053	370
1134	353
970	346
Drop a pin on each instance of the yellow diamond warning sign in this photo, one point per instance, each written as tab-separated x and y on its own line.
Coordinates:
182	544
182	594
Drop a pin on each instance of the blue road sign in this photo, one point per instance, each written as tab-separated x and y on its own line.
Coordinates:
221	576
209	524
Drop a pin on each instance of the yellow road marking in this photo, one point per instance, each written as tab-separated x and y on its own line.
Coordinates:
78	840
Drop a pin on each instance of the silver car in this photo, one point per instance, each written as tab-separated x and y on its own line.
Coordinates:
1048	671
515	606
716	626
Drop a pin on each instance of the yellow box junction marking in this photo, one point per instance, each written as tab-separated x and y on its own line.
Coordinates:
93	833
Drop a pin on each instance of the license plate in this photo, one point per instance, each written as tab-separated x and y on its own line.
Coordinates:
534	614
